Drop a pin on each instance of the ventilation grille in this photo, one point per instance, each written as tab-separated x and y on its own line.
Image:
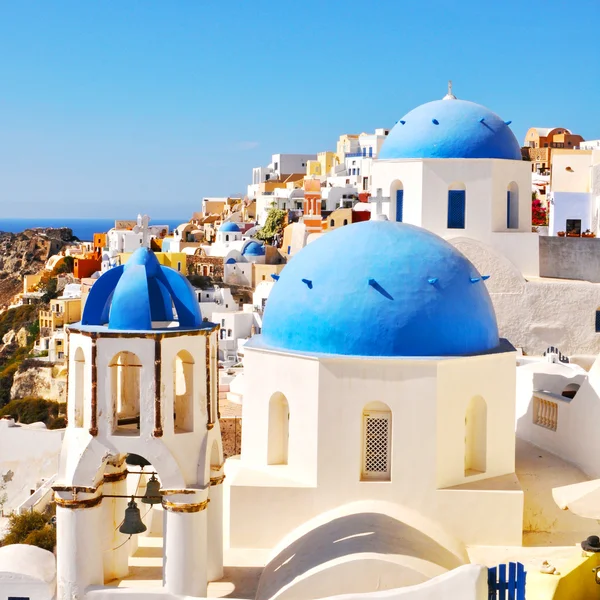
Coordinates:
376	445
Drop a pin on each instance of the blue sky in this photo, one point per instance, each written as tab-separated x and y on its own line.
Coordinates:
113	107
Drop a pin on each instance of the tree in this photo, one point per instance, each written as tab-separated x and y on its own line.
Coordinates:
31	528
273	225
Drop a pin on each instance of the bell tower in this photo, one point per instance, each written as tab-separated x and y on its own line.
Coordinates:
143	382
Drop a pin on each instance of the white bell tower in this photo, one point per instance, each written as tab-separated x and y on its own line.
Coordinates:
142	381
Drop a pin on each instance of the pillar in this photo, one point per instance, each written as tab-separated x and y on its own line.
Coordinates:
215	529
116	551
185	533
78	532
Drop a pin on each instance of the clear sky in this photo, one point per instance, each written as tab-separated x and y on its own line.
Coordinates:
112	107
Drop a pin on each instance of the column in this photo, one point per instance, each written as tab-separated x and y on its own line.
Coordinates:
78	533
116	551
185	532
215	528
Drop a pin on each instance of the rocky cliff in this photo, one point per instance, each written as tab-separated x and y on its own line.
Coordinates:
27	252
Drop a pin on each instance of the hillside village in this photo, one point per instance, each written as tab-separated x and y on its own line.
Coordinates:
429	290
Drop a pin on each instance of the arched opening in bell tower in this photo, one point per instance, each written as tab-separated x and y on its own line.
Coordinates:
125	370
183	392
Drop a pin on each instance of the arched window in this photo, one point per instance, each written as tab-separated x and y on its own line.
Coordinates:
598	320
376	442
570	390
79	393
476	436
226	238
457	206
183	392
279	430
512	206
331	223
125	391
397	200
345	221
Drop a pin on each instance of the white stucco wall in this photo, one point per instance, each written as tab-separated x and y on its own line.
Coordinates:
486	182
28	454
27	572
537	313
570	205
326	399
574	439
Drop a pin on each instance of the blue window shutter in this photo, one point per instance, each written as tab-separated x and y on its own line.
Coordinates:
508	209
598	321
399	205
456	209
370	151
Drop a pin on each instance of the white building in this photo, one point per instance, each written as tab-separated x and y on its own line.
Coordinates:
140	235
455	168
378	412
229	242
142	381
280	167
234	326
215	299
575	191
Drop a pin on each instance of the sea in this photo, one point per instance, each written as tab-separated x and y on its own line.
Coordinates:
83	229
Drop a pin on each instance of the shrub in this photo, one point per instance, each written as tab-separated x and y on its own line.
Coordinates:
34	410
31	528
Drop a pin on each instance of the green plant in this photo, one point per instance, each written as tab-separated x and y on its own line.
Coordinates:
35	410
31	528
273	225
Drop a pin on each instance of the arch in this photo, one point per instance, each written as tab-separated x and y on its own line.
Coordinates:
125	393
183	392
376	464
570	390
79	388
227	238
512	206
457	205
476	436
397	199
279	430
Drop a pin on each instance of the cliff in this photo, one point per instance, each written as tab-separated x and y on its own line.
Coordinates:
27	252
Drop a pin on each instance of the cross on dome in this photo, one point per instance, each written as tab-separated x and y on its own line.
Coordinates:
449	95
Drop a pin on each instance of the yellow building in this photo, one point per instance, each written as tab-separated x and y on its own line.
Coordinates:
347	143
262	272
62	312
30	282
323	165
175	260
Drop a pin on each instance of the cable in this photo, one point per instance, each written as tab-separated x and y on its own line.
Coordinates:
122	543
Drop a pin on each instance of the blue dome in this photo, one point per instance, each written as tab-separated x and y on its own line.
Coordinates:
380	288
132	296
451	129
229	226
254	249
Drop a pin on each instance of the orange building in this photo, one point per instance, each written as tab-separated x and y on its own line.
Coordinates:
539	142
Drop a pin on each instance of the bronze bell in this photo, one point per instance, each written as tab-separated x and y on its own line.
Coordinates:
132	523
152	495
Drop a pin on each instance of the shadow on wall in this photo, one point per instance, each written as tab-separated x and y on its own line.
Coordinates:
357	534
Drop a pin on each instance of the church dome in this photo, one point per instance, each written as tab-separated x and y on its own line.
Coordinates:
229	226
140	296
254	249
451	128
380	288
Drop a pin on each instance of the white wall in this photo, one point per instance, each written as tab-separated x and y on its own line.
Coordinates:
570	205
325	443
30	454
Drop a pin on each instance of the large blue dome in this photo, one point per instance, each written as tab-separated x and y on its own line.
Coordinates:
139	294
451	129
380	288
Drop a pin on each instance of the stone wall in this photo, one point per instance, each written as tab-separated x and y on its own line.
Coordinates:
210	266
570	258
49	383
231	434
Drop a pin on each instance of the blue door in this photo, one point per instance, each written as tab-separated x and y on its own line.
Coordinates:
399	205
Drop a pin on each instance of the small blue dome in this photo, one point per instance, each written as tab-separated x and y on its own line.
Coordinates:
451	129
133	296
229	226
254	249
380	288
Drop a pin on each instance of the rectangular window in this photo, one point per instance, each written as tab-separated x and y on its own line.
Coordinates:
456	209
399	205
598	321
574	226
376	446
